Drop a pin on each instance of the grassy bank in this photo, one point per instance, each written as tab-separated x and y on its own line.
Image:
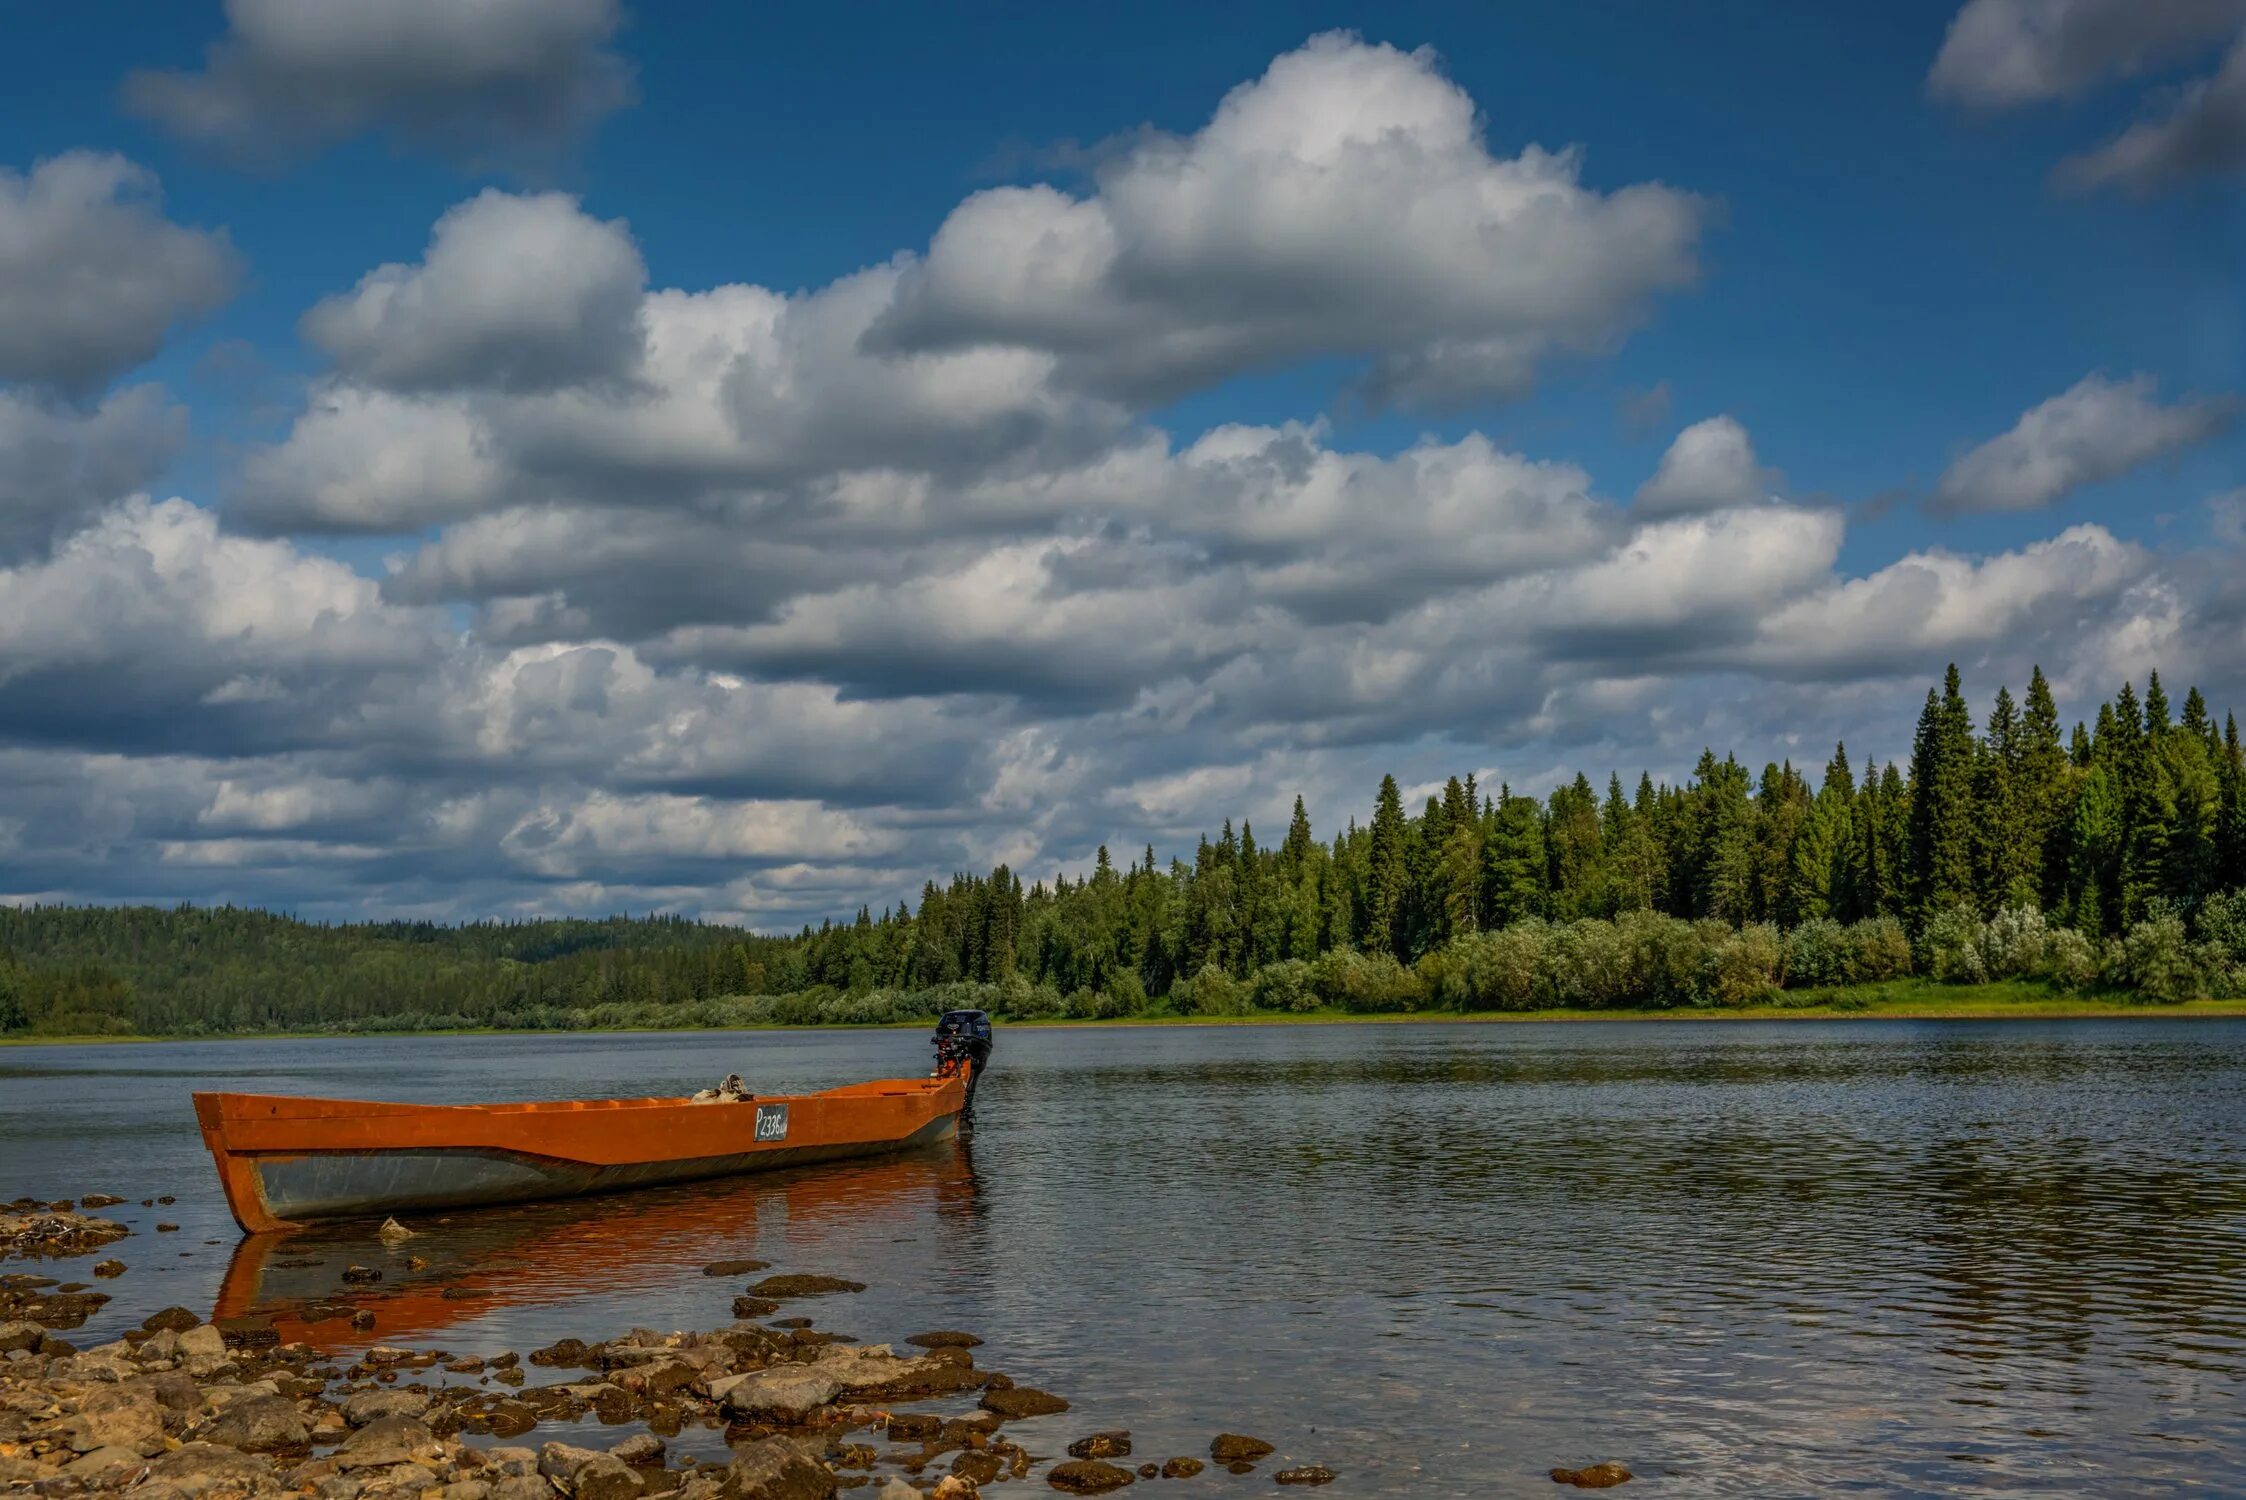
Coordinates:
1902	999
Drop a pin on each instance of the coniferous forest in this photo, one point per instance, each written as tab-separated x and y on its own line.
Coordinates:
2108	857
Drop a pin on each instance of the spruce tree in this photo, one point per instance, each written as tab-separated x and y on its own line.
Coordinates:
1942	812
1386	875
2044	788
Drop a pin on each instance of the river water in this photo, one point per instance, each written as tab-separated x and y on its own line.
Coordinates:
1773	1259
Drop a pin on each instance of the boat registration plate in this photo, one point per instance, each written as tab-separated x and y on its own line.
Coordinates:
771	1122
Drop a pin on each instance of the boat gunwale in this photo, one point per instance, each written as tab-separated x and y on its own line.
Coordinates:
322	1107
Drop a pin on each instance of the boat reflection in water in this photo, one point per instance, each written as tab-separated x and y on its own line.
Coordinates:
463	1266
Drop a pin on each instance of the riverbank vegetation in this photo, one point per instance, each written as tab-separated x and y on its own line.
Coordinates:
2106	862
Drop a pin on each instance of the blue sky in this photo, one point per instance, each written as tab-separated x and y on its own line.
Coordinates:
1887	267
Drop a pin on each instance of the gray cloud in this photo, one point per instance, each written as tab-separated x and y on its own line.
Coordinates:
2006	53
506	79
515	293
2098	429
2202	133
60	465
1710	466
92	275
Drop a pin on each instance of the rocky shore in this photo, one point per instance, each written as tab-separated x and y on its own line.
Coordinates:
184	1407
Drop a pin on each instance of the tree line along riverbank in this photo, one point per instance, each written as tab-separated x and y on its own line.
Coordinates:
2095	867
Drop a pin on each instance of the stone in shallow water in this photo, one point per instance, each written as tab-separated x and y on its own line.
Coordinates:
177	1319
1101	1445
804	1286
1305	1474
734	1267
1015	1402
1595	1477
945	1338
1087	1476
1182	1468
1233	1448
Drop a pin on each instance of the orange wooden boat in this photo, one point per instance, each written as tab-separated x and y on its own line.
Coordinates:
284	1160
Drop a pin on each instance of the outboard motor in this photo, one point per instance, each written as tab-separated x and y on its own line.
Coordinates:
962	1043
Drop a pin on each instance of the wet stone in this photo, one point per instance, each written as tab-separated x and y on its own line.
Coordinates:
754	1307
176	1319
1016	1402
1087	1476
361	1275
108	1268
735	1267
914	1426
1599	1476
1232	1448
1101	1445
1181	1468
977	1467
945	1338
804	1286
1305	1474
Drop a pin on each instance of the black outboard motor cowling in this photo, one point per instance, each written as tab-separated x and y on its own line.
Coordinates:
962	1044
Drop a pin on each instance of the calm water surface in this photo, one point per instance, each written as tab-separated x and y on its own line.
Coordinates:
1805	1258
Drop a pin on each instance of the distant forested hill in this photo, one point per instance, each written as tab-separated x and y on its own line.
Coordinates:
2105	856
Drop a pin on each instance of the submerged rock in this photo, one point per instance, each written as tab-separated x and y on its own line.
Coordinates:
734	1267
1233	1448
1182	1468
804	1286
1087	1476
1599	1476
945	1338
1101	1445
1304	1474
1015	1402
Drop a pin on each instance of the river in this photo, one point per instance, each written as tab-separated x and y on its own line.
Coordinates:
1786	1258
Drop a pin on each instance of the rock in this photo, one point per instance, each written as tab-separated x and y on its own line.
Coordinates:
386	1441
262	1424
1304	1474
362	1407
1596	1477
946	1338
100	1200
754	1307
784	1393
101	1461
914	1426
393	1232
206	1468
202	1339
977	1466
1232	1448
109	1268
361	1275
566	1354
895	1489
118	1416
248	1331
779	1469
1015	1402
175	1319
640	1449
804	1286
167	1229
19	1335
1087	1476
734	1267
1181	1468
587	1475
1101	1445
953	1487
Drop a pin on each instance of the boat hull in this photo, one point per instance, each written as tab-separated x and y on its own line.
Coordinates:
285	1161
